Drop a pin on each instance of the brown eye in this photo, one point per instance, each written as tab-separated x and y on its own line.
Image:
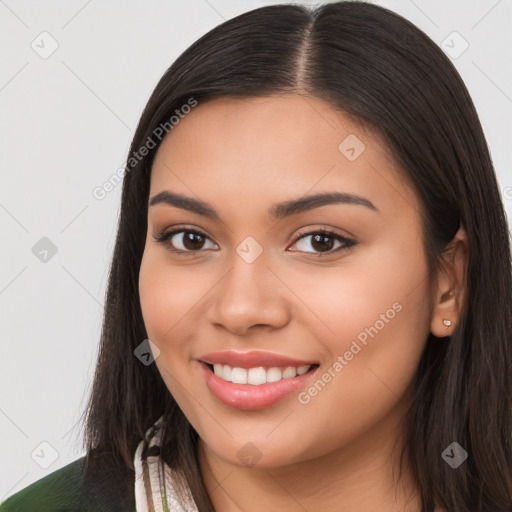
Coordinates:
192	241
323	241
184	240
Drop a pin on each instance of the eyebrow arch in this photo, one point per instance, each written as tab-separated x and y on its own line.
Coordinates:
277	211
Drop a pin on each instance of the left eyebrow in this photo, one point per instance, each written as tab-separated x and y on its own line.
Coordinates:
277	211
295	206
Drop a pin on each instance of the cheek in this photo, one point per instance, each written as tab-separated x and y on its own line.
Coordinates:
375	317
166	298
381	288
167	295
379	313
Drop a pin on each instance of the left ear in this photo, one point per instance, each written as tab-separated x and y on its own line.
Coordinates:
451	286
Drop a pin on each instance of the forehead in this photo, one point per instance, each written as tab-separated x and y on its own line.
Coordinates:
278	122
262	150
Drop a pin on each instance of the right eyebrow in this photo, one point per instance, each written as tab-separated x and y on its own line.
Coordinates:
185	203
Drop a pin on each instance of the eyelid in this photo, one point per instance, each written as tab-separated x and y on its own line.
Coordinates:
165	235
346	242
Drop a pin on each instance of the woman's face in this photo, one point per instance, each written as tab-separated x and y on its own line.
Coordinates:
235	285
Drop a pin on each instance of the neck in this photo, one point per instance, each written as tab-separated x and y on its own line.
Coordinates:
361	476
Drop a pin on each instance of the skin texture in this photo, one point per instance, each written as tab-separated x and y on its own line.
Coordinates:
242	156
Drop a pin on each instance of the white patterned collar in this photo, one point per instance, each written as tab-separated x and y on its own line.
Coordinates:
152	492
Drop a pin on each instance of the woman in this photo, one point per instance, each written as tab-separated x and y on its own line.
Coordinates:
309	304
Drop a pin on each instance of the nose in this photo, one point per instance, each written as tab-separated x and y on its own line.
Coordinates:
249	296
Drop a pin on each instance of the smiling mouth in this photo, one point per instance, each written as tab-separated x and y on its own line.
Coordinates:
258	375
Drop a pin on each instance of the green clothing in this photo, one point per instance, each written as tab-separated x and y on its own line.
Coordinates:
68	489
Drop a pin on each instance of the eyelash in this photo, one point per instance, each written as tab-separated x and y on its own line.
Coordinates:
347	242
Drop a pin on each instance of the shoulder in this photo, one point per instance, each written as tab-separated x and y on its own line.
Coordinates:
59	490
72	489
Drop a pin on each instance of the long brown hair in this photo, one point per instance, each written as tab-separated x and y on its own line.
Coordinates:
375	65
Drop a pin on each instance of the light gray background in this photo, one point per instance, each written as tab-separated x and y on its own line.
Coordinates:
66	124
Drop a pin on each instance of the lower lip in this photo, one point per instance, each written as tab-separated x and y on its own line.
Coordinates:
248	396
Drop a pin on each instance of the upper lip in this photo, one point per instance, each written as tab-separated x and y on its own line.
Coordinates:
252	359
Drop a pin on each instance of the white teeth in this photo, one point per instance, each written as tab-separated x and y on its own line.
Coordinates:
257	376
226	372
239	376
303	369
290	372
274	374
